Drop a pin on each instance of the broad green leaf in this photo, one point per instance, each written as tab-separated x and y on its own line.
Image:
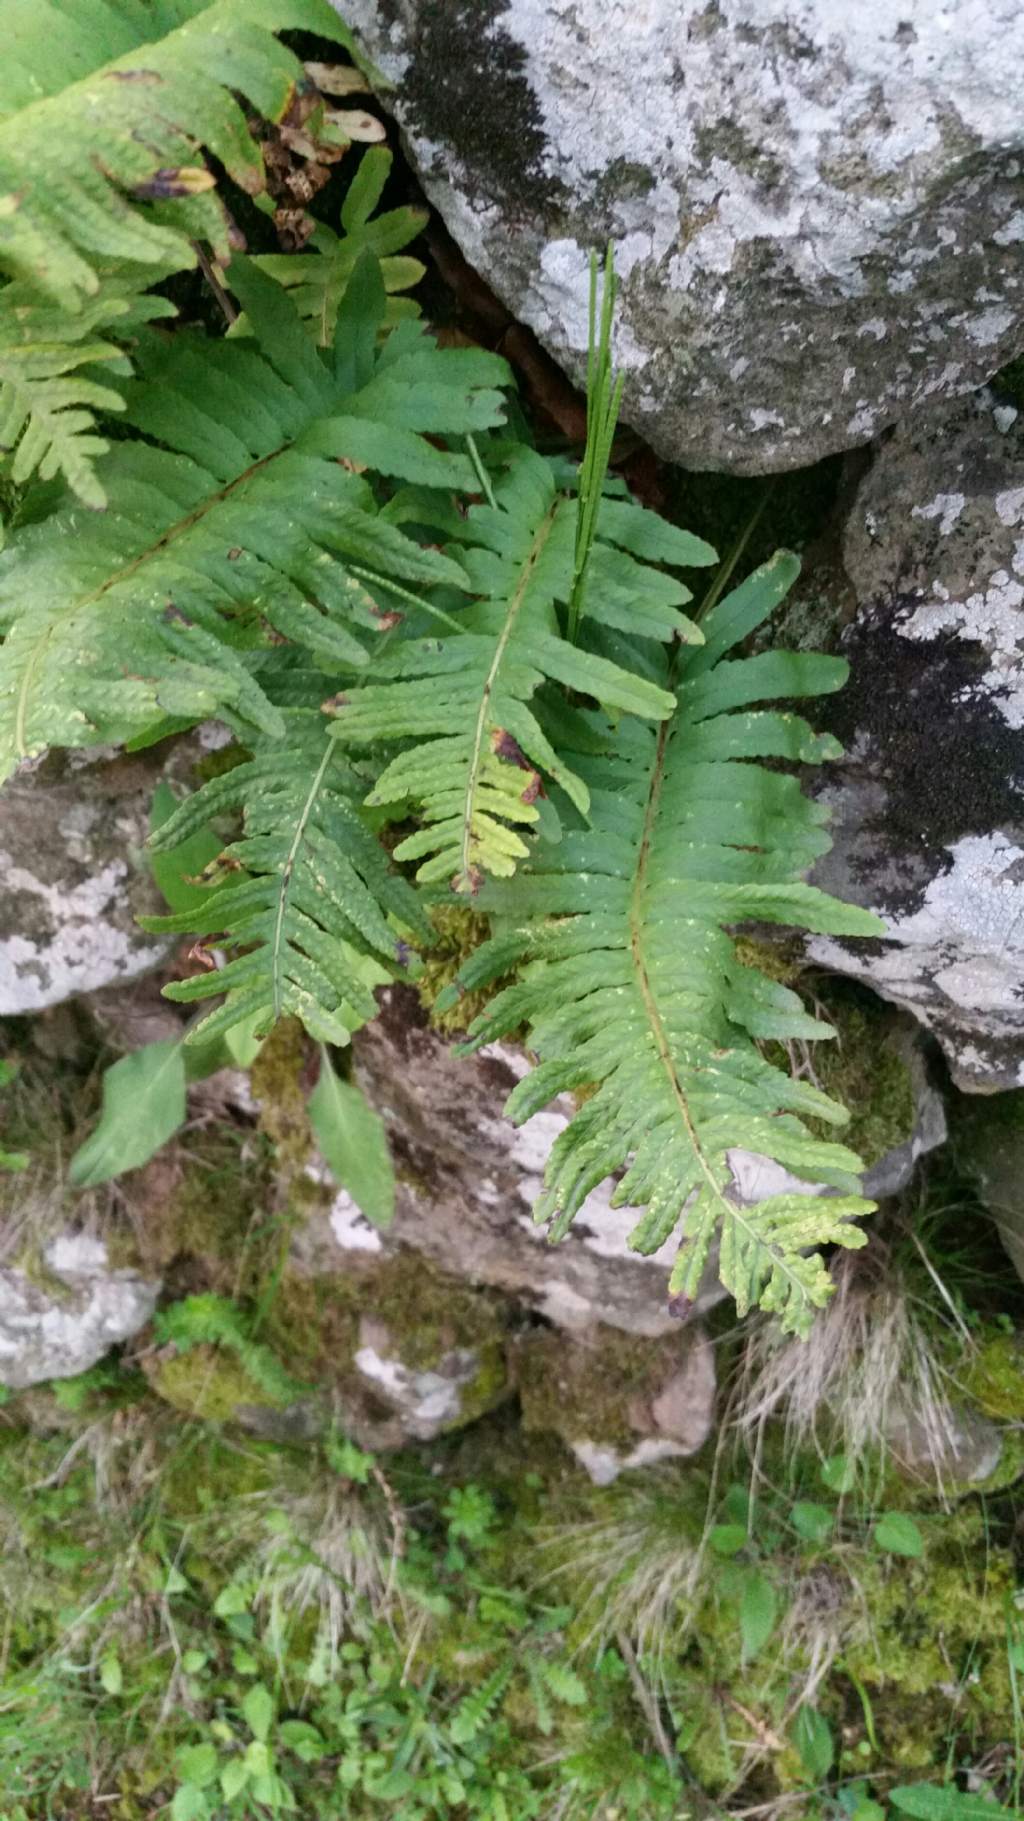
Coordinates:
189	1804
233	1778
898	1534
812	1737
814	1523
944	1802
143	1106
197	1764
838	1473
758	1612
231	1600
111	1673
728	1539
258	1711
354	1144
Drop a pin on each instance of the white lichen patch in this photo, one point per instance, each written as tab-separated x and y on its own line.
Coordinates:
57	1333
946	507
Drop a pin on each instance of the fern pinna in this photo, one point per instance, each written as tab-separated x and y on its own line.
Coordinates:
628	980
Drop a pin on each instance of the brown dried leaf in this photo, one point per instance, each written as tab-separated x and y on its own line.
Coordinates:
337	78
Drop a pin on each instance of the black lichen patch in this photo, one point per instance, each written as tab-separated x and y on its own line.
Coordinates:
950	763
467	88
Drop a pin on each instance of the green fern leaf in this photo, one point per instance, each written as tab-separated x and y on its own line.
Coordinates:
48	390
630	980
246	528
104	113
311	913
474	1710
318	277
477	753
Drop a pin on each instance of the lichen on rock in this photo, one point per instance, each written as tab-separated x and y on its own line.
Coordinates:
815	209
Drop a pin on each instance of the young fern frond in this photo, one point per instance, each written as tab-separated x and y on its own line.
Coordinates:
318	278
630	983
52	380
478	754
248	526
104	117
308	908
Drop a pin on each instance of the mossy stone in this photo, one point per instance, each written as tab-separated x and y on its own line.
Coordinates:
995	1378
209	1383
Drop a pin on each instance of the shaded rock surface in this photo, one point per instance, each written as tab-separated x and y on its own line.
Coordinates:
59	1320
928	805
816	208
73	880
988	1135
619	1403
468	1178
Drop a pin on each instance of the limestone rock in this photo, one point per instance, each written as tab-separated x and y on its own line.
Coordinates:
967	1452
928	805
815	207
59	1321
468	1178
617	1402
71	833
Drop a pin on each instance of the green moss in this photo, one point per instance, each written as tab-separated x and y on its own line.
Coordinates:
278	1085
459	933
314	1321
209	1383
599	1392
203	1218
995	1378
778	960
864	1068
922	1627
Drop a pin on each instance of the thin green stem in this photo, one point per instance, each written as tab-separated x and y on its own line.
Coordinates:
405	594
482	474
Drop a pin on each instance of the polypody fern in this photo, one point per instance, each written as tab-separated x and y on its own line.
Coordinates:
317	529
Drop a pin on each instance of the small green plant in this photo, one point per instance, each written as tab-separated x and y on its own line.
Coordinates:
216	1321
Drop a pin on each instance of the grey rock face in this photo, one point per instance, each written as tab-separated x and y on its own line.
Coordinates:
928	805
816	207
72	880
618	1403
61	1324
468	1178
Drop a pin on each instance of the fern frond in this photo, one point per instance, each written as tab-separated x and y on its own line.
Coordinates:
478	753
105	107
215	1321
318	278
48	389
311	913
630	981
474	1710
248	526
